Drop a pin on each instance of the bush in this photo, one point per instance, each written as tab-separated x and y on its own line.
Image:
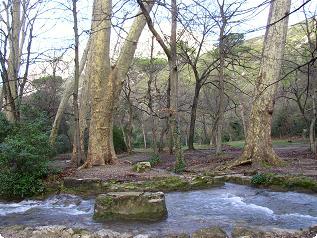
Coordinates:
24	157
5	127
63	145
179	167
118	140
154	160
261	179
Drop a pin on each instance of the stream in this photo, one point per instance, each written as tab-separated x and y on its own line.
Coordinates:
224	206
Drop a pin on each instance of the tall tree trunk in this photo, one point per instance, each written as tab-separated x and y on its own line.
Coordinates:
77	155
154	135
129	129
220	122
213	136
180	162
144	136
105	82
205	140
1	98
258	148
99	148
150	104
11	85
172	61
193	116
312	128
60	111
84	112
312	135
164	131
69	89
168	123
221	84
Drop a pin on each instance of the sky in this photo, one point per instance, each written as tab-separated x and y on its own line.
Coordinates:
55	27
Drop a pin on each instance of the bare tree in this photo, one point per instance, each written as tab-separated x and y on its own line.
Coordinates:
19	18
193	56
258	148
311	34
171	53
77	155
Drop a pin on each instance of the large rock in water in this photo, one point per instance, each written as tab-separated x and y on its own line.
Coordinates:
141	206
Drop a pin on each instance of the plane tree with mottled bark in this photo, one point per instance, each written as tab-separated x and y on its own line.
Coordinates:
106	80
258	148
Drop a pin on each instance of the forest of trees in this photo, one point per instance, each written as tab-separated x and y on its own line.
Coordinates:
203	76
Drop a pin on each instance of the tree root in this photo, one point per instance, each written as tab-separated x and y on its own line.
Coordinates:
86	165
236	163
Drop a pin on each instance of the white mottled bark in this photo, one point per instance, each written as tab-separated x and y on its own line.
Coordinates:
258	148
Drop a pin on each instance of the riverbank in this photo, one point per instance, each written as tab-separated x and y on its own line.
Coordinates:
203	170
212	232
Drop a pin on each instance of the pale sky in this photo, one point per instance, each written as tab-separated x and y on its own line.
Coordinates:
55	28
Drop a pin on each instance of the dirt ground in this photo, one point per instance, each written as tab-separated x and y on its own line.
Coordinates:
299	161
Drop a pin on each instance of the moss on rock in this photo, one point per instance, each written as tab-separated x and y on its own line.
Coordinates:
167	184
280	182
130	206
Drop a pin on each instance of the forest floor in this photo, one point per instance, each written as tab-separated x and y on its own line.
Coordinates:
297	157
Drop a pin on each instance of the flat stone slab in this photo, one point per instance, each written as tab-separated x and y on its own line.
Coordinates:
142	206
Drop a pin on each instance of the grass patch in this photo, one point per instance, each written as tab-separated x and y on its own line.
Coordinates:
276	143
236	144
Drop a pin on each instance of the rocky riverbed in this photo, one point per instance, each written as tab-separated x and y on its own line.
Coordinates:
212	232
227	207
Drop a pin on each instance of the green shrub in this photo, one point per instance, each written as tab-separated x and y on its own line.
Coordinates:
261	179
154	160
63	145
24	157
179	167
118	140
5	127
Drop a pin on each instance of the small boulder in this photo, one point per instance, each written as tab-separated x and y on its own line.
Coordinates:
242	232
130	206
213	232
110	234
141	167
52	232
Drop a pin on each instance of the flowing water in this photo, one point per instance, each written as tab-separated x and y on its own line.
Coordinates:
225	206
